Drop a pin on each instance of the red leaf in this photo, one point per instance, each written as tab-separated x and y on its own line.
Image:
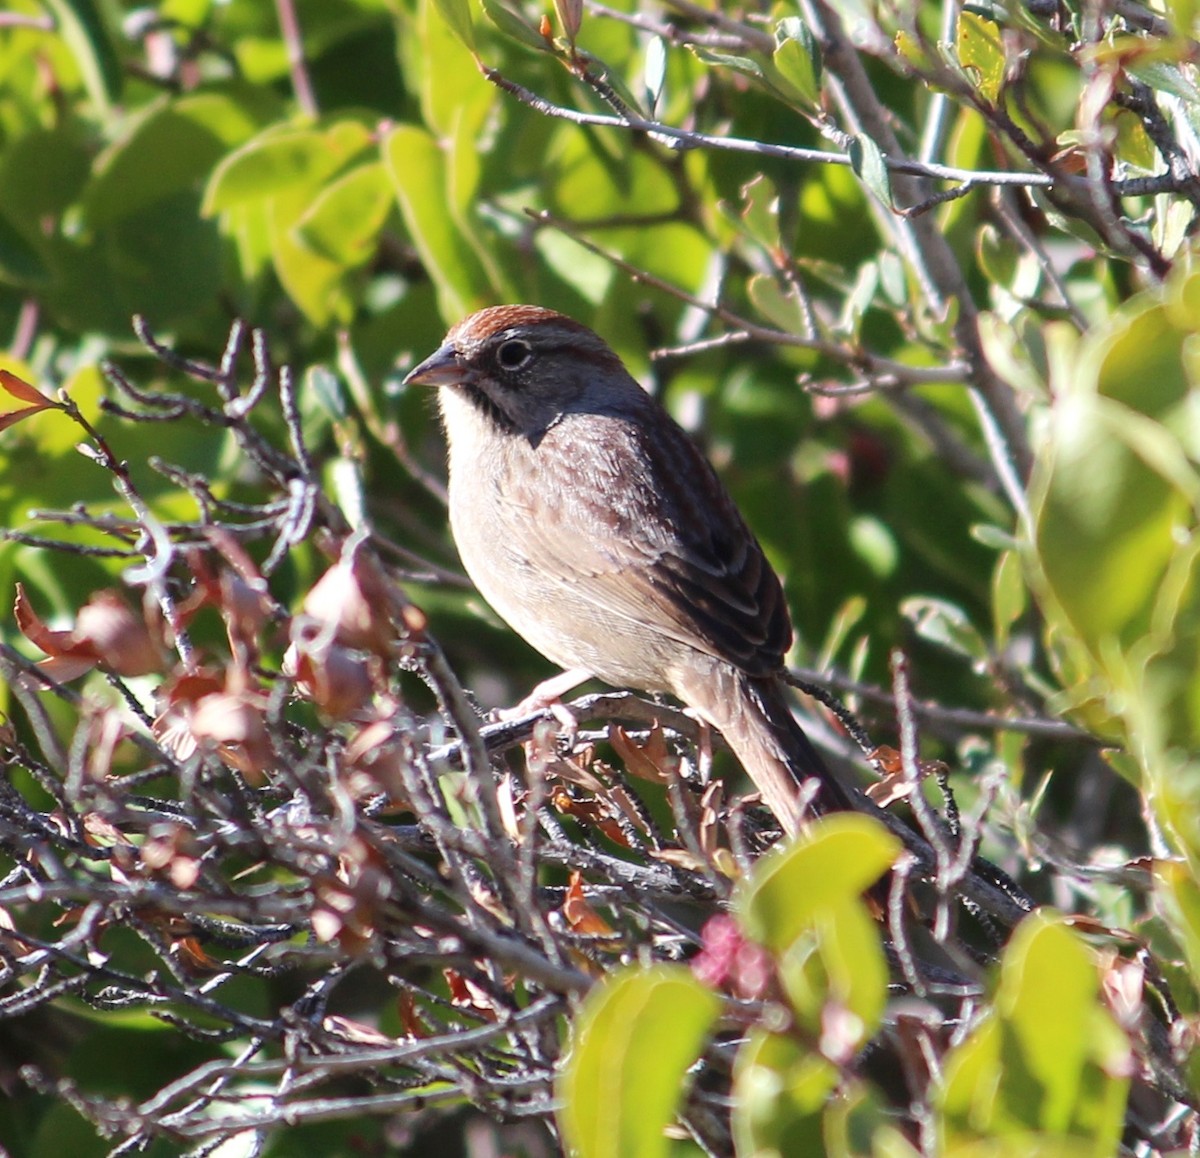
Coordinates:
22	391
19	389
56	643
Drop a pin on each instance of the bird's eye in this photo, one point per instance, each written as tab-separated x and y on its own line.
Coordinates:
514	354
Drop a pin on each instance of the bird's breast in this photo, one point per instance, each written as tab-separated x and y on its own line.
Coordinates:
513	535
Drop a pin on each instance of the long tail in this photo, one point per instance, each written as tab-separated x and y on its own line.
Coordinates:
754	717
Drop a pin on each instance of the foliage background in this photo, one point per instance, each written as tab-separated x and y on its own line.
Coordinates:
963	427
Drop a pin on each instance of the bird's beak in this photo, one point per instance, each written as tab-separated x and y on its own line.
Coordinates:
443	367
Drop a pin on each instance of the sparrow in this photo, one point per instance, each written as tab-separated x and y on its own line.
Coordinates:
597	530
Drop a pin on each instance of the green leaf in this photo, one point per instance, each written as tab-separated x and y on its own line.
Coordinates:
457	13
633	1041
837	966
997	255
780	307
797	56
947	625
860	298
164	262
1165	77
912	51
867	162
1140	363
417	167
314	282
980	51
586	272
451	86
745	65
654	70
760	215
20	262
840	857
873	542
464	172
174	146
514	25
43	172
82	27
1051	1063
893	279
282	158
1008	352
1134	146
1010	596
1105	517
1047	995
343	223
261	59
847	617
780	1091
1179	894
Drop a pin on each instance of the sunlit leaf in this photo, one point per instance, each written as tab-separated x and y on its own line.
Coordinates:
654	71
417	167
798	58
843	855
867	161
780	1093
505	17
280	159
457	13
1050	1063
981	52
81	24
633	1041
948	626
343	222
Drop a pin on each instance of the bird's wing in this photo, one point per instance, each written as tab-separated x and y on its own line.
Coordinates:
642	527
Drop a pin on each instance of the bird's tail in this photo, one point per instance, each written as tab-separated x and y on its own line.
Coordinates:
753	715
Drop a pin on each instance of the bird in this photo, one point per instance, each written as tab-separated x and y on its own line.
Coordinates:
599	532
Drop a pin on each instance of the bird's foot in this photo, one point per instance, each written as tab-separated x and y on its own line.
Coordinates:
547	697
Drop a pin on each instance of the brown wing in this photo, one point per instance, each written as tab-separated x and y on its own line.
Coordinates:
656	538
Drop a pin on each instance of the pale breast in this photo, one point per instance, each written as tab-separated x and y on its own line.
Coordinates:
495	514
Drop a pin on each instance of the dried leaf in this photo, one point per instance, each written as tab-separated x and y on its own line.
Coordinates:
30	624
651	761
192	954
234	723
358	602
337	680
895	783
579	914
356	1032
466	993
680	858
106	631
118	636
100	832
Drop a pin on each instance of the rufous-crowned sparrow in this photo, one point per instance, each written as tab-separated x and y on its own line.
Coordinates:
591	522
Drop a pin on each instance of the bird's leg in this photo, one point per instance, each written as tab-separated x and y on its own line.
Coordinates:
547	696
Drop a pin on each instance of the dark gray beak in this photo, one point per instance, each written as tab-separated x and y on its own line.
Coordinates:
443	367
